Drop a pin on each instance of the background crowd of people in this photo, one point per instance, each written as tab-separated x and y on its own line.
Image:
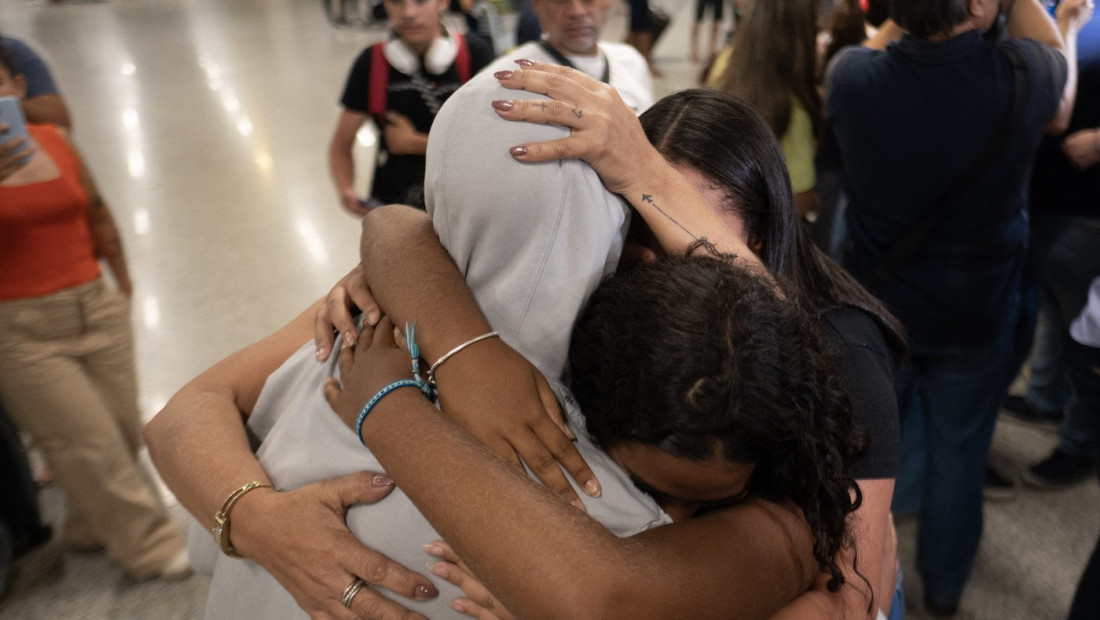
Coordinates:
984	293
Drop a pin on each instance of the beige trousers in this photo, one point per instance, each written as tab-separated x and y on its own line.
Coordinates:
67	378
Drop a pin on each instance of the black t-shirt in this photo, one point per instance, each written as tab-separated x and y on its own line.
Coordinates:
416	97
865	368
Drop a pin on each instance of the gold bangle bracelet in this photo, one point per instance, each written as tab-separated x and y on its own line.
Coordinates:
221	520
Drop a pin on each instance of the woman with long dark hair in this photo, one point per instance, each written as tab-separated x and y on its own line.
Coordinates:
772	65
735	166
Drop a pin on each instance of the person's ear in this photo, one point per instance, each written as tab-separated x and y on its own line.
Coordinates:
20	82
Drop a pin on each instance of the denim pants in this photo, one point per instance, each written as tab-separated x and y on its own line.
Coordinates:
948	400
1048	385
1073	261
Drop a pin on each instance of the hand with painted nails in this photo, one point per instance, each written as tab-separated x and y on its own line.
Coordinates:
479	602
336	314
268	528
606	135
605	131
487	388
504	401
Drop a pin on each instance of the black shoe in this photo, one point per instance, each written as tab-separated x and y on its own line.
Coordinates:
1019	410
998	488
1060	470
940	610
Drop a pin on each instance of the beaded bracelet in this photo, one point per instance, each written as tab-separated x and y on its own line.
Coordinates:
400	383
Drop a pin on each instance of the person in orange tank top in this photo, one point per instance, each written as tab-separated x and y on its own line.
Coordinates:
67	373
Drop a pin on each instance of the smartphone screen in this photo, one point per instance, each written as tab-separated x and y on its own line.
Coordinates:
11	113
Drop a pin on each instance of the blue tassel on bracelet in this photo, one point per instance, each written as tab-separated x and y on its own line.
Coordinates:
416	381
414	352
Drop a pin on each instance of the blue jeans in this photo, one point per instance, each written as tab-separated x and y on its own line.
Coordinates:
948	400
1048	386
897	606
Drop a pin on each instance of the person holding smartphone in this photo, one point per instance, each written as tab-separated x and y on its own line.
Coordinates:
67	374
43	102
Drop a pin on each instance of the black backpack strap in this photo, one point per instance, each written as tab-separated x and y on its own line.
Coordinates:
906	247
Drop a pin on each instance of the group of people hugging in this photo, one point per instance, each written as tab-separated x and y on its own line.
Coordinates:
626	308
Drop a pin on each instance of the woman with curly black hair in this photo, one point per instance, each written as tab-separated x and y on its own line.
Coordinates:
697	358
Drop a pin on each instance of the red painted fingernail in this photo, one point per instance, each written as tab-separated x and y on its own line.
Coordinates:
524	62
518	151
503	104
503	75
381	480
424	592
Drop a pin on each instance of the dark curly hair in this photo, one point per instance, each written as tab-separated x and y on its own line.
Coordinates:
691	352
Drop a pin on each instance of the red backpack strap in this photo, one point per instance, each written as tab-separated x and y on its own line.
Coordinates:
379	80
462	59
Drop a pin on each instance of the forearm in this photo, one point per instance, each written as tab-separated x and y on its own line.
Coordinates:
199	442
677	215
409	142
199	445
877	559
342	167
414	279
1026	19
47	109
1067	28
888	33
108	242
816	605
545	559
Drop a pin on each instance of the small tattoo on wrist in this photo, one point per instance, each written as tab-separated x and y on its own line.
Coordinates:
648	199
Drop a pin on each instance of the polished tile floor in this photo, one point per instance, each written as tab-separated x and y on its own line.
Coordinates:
205	124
